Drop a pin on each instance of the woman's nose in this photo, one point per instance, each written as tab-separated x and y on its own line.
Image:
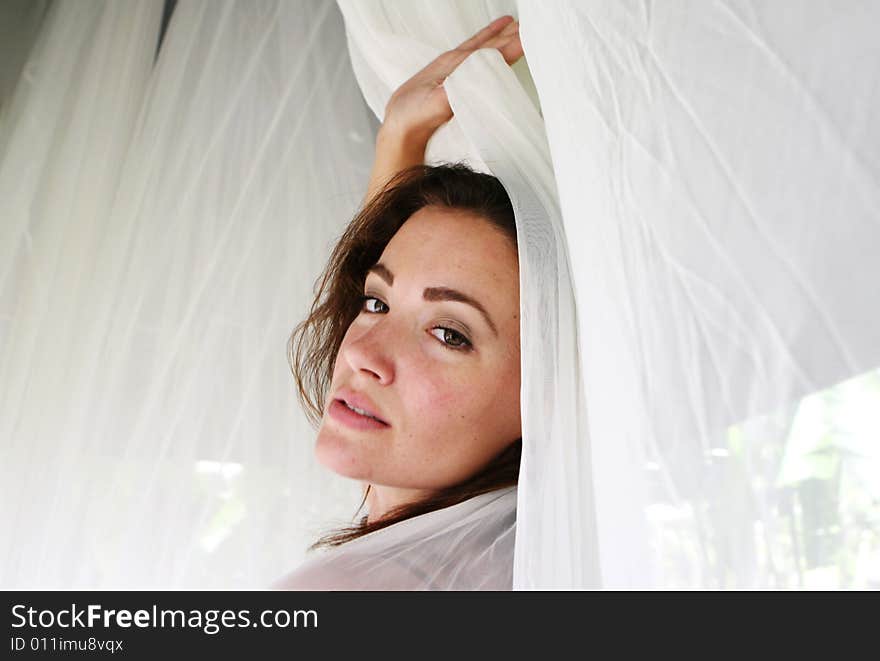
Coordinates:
369	353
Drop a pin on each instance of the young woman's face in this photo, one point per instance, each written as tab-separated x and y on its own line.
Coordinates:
434	354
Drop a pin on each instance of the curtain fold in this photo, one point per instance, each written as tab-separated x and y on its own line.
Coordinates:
718	167
708	263
497	128
162	230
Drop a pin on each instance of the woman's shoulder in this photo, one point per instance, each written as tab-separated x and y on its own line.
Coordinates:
467	546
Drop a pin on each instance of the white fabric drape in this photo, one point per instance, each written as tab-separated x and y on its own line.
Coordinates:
468	546
162	230
712	285
697	191
497	128
720	184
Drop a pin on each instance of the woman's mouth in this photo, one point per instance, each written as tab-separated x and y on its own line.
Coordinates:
354	417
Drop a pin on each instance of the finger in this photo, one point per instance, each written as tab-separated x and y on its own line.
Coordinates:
444	64
486	33
511	51
508	43
448	62
510	33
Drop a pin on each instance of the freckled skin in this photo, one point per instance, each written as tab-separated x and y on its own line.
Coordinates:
451	412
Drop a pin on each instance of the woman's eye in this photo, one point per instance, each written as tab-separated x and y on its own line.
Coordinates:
367	304
451	338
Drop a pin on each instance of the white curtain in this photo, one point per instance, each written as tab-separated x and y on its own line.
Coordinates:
720	185
162	229
697	190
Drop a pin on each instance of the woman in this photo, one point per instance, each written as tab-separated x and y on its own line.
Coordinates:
409	360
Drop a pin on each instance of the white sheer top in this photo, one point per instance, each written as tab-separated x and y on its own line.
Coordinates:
468	546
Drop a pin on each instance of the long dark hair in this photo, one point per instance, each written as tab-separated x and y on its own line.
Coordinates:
314	343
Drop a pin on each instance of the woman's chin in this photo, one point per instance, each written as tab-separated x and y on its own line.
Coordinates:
338	455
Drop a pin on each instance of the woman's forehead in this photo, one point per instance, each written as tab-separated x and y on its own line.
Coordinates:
445	239
454	257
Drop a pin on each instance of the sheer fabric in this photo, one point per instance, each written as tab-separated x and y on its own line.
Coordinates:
712	289
468	546
719	185
163	225
696	191
497	128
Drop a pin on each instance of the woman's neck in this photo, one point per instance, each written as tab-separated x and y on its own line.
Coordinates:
382	499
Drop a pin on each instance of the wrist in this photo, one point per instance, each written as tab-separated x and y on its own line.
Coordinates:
402	139
396	151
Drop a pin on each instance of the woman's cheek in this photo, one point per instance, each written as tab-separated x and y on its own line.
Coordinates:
439	399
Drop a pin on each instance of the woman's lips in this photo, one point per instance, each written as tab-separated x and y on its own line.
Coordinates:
360	402
339	411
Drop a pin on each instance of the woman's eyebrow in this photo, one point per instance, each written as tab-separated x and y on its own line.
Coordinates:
437	293
382	271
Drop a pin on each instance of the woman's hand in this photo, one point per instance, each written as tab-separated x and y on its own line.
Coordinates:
420	106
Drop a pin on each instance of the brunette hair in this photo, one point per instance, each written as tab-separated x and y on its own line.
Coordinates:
314	343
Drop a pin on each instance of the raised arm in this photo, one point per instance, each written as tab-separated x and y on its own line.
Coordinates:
420	106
